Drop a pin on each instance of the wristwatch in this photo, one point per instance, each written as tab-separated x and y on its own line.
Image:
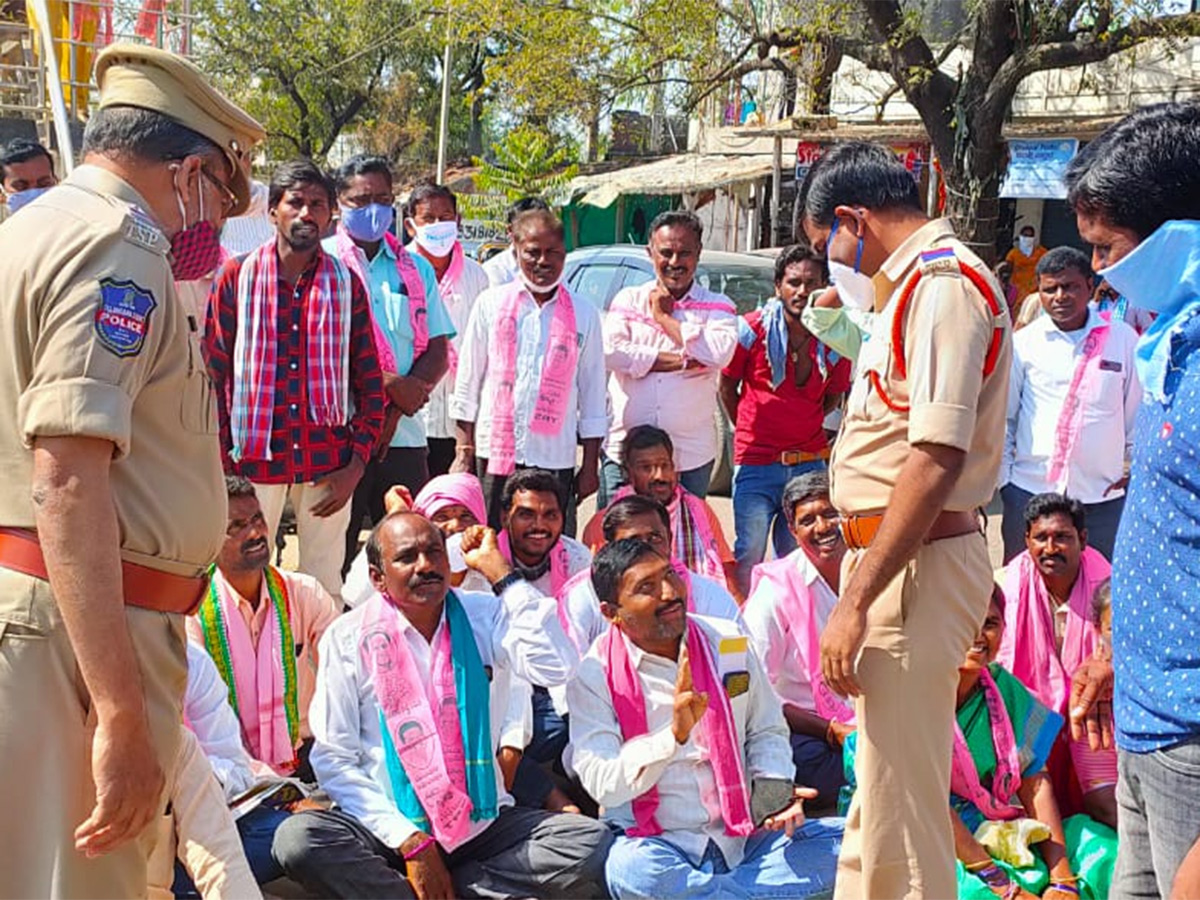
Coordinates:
499	587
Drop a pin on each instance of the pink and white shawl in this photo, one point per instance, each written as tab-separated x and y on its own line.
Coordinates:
418	315
1070	417
256	347
554	389
995	804
720	730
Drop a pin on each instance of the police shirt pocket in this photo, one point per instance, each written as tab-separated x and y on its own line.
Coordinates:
197	404
872	363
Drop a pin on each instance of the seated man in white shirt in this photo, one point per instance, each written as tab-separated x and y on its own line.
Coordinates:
666	342
699	540
790	600
530	385
676	732
1072	402
640	517
421	807
261	626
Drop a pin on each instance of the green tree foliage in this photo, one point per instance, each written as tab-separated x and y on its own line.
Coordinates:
527	162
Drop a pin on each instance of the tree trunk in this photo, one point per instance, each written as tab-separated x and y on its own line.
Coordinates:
593	134
475	130
973	184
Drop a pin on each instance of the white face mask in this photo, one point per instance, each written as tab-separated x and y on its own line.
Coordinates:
1026	244
855	289
535	288
437	239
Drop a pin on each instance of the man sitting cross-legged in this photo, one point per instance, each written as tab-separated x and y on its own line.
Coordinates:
640	517
790	600
411	694
261	626
676	732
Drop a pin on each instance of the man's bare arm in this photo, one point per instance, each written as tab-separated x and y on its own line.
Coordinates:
77	527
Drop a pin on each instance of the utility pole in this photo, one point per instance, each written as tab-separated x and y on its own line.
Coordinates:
444	118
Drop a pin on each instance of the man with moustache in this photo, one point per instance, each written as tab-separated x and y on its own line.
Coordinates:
1073	398
1050	631
665	342
530	386
261	626
777	390
789	604
676	733
290	349
411	696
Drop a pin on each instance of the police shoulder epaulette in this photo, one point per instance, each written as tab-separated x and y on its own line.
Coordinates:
939	261
141	230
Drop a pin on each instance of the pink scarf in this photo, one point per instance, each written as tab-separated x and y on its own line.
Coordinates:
720	731
446	285
964	776
693	542
554	389
627	310
460	489
1028	649
256	345
1070	418
798	613
433	757
355	260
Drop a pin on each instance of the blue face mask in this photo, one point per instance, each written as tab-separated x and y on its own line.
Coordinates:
24	198
368	223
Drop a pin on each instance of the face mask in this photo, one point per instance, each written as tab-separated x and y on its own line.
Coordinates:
195	250
855	289
534	288
368	223
437	239
1025	244
24	198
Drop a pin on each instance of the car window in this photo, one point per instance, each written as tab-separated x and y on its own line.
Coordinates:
749	287
594	282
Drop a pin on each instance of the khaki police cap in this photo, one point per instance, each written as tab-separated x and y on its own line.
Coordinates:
146	77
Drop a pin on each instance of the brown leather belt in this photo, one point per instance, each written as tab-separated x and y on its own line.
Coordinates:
144	587
796	457
860	531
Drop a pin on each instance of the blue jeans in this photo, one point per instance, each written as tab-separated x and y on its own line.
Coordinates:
257	830
612	477
774	866
757	502
1158	817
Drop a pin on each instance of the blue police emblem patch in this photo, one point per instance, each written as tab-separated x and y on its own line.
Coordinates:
123	318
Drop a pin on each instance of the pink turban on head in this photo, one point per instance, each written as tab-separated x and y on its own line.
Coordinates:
459	489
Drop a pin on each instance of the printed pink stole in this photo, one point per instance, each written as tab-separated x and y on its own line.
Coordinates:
446	286
424	726
1070	418
554	388
1028	649
798	613
720	730
355	260
964	776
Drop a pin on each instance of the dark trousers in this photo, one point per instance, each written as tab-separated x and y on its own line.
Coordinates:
402	465
523	853
818	766
533	784
1101	519
493	490
441	455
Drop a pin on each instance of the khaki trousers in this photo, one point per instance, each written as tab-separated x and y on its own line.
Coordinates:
46	729
322	541
898	840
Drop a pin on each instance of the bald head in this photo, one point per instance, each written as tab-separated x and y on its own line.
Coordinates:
408	562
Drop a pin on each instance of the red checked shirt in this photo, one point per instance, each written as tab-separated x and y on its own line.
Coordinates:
772	421
300	450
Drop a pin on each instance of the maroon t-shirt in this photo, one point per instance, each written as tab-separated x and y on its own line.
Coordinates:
772	421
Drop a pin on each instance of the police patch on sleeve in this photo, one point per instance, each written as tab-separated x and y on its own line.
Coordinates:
123	317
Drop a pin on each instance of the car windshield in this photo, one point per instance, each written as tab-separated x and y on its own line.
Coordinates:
748	286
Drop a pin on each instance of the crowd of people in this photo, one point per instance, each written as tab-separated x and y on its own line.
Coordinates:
487	697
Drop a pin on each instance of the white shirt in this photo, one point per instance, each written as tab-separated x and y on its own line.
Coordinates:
459	298
772	637
502	268
615	771
206	711
680	403
516	634
586	415
709	599
1044	362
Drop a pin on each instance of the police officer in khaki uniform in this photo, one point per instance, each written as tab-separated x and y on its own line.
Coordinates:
110	505
917	456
